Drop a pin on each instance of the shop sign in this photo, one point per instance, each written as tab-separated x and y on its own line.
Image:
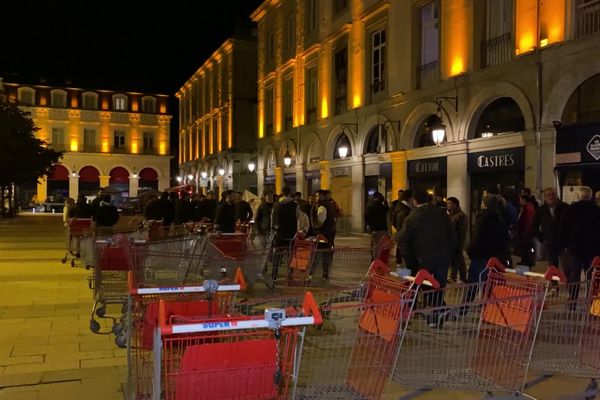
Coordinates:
593	147
427	167
340	171
497	160
313	174
314	159
581	139
372	169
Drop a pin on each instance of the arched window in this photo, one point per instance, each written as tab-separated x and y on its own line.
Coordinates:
342	142
377	141
271	160
58	98
149	104
26	96
584	104
120	102
90	100
503	115
424	137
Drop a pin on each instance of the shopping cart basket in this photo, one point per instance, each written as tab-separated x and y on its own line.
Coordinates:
235	357
206	300
78	228
354	353
233	255
475	336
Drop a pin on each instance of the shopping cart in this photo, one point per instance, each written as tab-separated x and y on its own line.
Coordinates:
354	353
232	357
208	300
78	228
476	337
113	262
383	248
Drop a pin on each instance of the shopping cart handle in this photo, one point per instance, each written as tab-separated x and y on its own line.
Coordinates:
378	267
310	308
596	262
423	277
495	264
553	273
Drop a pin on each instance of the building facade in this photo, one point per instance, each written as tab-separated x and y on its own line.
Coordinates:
355	89
217	120
115	140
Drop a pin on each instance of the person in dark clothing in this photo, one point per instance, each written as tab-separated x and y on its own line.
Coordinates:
225	214
262	222
525	232
303	205
82	208
96	203
580	236
243	211
488	239
376	219
152	209
210	206
287	226
399	214
173	197
546	225
460	221
166	209
107	214
184	210
324	222
199	208
428	240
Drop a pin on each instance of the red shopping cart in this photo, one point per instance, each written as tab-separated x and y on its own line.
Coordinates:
234	357
78	228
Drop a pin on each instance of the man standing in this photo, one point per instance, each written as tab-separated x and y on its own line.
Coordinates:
210	206
166	209
399	214
184	209
546	224
460	221
243	211
225	214
287	226
302	204
428	240
376	218
580	234
262	222
324	220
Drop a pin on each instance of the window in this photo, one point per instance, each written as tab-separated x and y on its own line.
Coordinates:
148	144
378	67
312	22
58	138
119	140
89	140
429	33
120	103
270	46
288	103
269	111
311	94
290	33
26	96
341	80
58	98
149	104
339	6
90	101
499	18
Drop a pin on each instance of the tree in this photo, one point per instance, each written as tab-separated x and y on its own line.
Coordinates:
23	157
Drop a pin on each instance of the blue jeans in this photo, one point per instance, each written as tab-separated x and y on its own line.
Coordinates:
440	273
477	273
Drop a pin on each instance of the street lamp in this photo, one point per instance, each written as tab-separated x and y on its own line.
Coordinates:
287	158
221	171
438	132
190	177
204	174
179	179
343	151
487	134
252	166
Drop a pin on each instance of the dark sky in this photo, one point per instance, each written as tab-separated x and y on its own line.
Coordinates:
145	46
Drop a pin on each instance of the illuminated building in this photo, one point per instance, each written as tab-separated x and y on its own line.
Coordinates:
217	119
369	74
115	140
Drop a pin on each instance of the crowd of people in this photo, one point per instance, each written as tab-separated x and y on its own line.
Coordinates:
436	238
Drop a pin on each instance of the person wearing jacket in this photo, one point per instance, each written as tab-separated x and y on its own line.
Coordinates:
376	219
285	215
580	235
184	209
401	210
262	222
166	209
460	221
106	216
546	225
428	240
82	208
324	222
225	214
525	231
243	211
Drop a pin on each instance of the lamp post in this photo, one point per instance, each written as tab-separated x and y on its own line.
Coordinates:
438	132
343	151
179	179
287	158
221	173
252	167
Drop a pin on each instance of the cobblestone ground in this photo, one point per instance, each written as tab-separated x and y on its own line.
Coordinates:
46	348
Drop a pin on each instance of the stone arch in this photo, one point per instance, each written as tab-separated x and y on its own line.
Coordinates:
263	162
119	175
556	100
126	167
373	122
419	114
335	133
488	93
314	146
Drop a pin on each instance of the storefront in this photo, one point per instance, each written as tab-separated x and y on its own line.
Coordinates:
313	181
289	180
269	185
428	174
378	178
577	158
503	169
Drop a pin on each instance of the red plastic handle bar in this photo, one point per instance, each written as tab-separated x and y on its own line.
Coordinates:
495	264
131	283
424	275
165	328
240	279
596	262
378	267
320	238
311	309
552	272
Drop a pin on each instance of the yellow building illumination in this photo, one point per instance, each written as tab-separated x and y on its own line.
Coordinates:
74	145
526	12
134	146
357	55
456	36
552	21
105	146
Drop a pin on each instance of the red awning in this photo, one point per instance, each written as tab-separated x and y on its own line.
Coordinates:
58	173
89	174
119	175
148	175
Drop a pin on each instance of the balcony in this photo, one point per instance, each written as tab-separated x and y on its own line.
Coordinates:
497	50
587	17
428	75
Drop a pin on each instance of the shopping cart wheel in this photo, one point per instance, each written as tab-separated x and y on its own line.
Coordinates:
118	328
121	340
94	326
101	311
73	263
63	260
